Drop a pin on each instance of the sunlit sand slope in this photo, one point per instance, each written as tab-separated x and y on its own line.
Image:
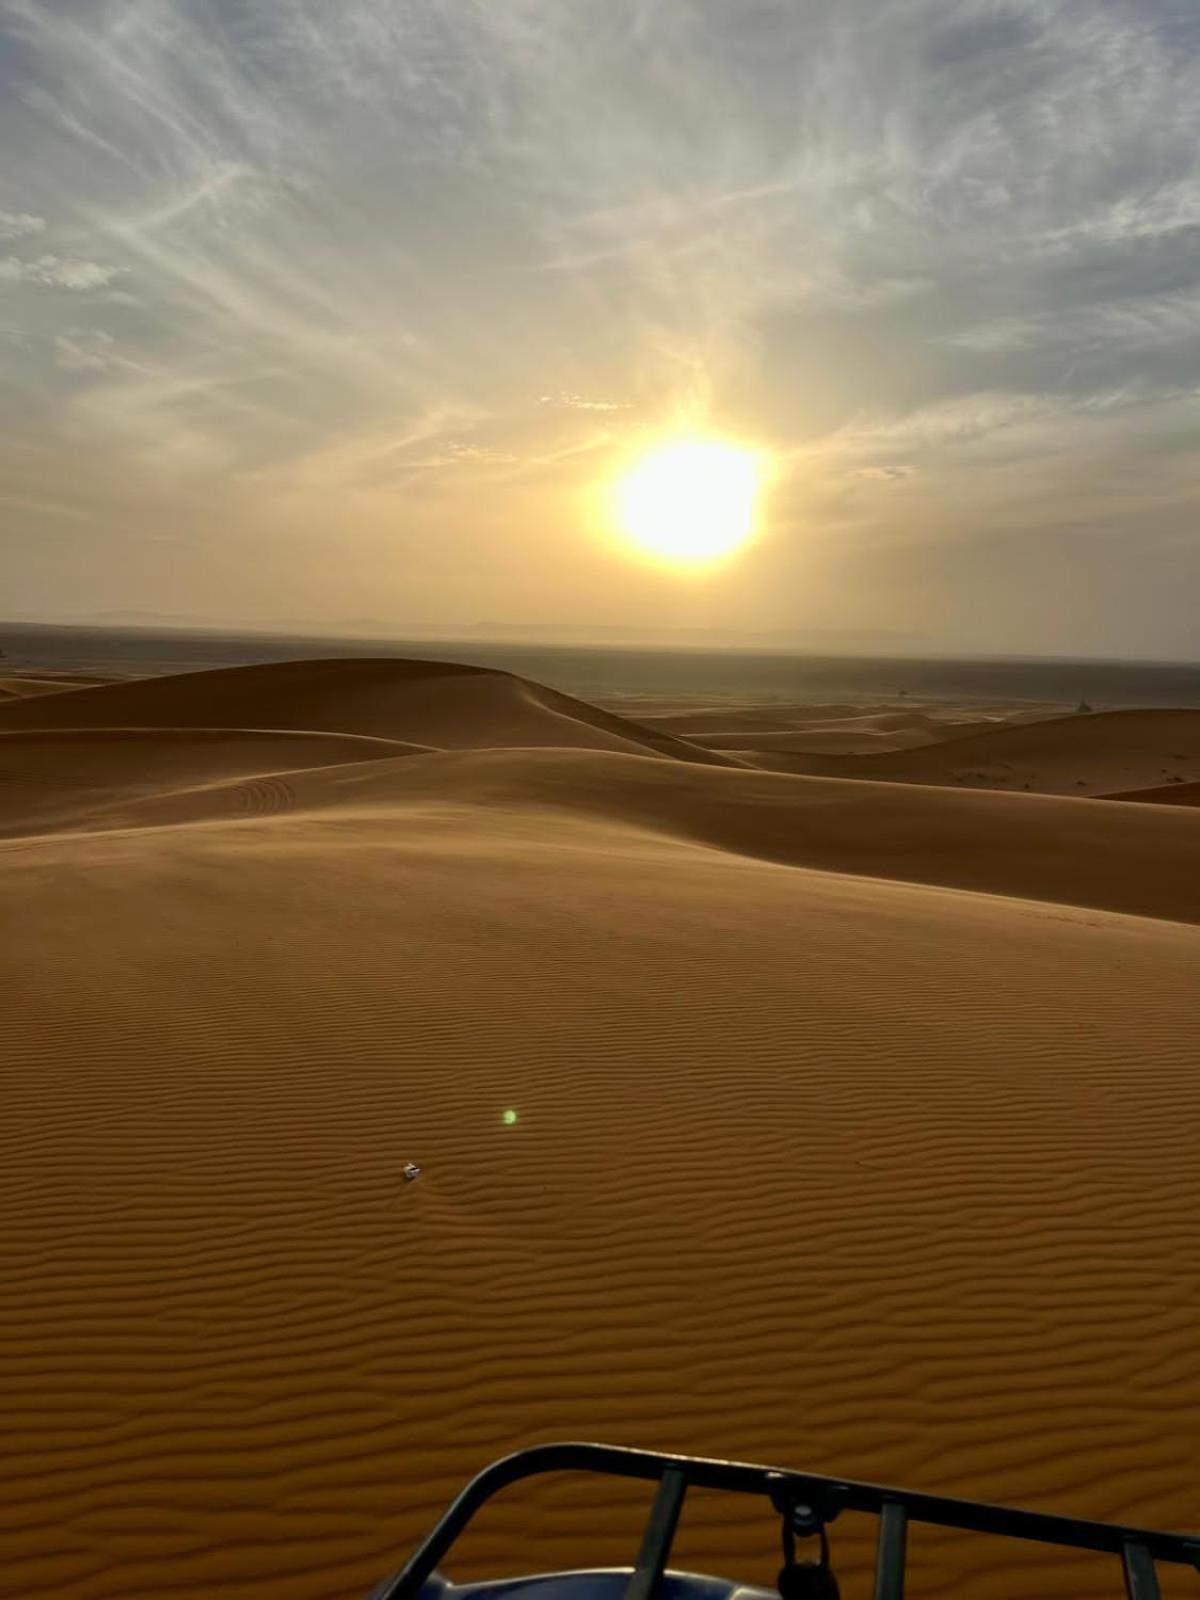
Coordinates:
886	1179
1145	862
810	1165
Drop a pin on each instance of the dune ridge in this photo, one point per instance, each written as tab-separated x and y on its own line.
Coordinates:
419	702
833	729
1051	848
814	1163
1100	752
1170	794
20	684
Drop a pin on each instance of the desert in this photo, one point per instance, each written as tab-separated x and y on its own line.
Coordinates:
851	1121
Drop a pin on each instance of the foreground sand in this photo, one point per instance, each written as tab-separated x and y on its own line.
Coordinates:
855	1132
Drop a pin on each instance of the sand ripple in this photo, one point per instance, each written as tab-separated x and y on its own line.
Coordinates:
813	1165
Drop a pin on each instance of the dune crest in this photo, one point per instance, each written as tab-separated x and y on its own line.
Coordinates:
1063	850
432	703
1171	794
1094	753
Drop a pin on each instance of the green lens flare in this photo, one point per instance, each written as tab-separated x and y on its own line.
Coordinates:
510	1116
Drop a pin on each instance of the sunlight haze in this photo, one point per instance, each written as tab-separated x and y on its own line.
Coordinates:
319	312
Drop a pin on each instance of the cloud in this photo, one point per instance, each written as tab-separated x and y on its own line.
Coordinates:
890	237
84	350
885	474
1136	324
20	224
577	402
42	506
941	426
57	272
982	36
458	454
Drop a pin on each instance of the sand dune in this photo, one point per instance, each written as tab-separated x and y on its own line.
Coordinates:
420	702
1037	847
19	684
61	777
697	722
734	716
1171	794
832	729
1101	752
828	738
812	1165
1052	848
21	687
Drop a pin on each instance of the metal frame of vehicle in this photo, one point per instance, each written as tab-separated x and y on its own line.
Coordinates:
807	1502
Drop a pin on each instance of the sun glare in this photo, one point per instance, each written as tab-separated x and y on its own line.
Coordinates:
689	503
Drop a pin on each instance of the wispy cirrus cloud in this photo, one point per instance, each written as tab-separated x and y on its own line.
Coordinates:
579	402
55	272
20	225
84	350
259	243
895	474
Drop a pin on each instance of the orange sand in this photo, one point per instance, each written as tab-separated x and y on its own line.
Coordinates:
857	1130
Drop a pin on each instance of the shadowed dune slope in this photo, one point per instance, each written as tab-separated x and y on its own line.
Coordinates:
22	687
420	702
826	739
1099	752
20	684
1171	794
735	717
55	778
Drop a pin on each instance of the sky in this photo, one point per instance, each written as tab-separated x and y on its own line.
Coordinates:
354	312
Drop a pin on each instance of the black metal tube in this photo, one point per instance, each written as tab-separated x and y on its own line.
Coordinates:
1141	1580
889	1556
656	1541
745	1478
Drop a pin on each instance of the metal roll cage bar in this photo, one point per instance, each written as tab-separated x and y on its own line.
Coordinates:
806	1501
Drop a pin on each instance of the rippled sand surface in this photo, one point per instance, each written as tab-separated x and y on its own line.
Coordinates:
854	1132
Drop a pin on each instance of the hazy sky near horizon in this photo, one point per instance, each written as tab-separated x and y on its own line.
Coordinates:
326	310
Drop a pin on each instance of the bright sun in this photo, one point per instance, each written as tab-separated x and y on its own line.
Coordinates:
690	503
